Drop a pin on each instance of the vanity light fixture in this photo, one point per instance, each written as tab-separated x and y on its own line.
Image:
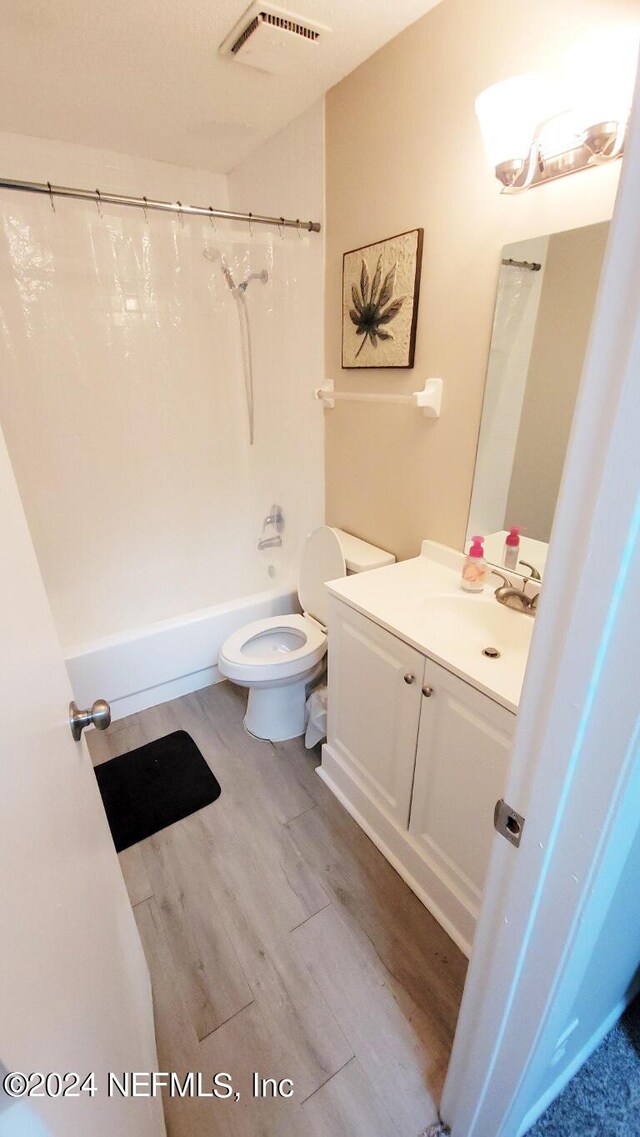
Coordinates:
535	129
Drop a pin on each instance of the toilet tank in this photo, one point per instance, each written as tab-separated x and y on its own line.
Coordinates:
359	555
326	555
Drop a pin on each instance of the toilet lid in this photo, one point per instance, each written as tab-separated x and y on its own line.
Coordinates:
322	559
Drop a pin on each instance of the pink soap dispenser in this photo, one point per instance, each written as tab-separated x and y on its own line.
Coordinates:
474	569
512	547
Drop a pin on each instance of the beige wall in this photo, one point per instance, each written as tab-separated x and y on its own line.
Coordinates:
404	150
571	278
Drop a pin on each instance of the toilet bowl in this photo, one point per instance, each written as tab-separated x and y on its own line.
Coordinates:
278	657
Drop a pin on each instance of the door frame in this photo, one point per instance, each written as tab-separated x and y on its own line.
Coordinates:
546	901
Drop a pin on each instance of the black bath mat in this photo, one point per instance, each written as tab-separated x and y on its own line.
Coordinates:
154	786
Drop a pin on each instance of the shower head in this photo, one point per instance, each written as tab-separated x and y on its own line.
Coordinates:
263	276
212	254
228	277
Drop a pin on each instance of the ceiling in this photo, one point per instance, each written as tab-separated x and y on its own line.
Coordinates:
147	78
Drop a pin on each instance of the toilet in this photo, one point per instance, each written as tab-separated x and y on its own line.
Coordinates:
278	657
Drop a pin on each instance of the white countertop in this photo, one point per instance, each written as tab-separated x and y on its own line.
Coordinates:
421	601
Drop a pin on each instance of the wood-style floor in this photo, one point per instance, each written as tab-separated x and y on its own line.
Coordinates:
279	940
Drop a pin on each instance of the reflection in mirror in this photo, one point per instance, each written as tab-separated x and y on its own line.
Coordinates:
546	295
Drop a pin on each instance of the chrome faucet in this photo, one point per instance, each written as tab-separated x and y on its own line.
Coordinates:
534	575
276	519
515	598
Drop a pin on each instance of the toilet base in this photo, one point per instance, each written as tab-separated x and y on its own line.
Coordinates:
277	713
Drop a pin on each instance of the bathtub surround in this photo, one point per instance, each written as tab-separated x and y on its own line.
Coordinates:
157	662
287	175
392	478
122	400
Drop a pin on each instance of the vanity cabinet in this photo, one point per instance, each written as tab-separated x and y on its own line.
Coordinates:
374	707
462	756
419	757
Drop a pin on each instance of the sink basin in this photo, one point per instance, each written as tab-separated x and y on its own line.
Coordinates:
477	621
421	601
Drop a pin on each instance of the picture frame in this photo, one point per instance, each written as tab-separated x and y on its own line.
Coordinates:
380	294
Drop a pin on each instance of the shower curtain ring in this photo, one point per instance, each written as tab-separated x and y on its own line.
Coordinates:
98	199
144	210
281	227
213	226
251	224
179	204
298	227
53	205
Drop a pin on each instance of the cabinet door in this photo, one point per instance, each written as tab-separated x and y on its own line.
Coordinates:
461	767
375	683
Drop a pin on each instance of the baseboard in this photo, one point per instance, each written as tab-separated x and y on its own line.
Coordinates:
579	1060
162	661
393	859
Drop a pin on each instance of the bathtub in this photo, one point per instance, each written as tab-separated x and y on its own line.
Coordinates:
153	664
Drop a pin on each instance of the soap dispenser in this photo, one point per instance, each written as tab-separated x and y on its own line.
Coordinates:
474	569
512	547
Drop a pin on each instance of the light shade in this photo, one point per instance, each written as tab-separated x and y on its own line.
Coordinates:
510	113
560	134
600	73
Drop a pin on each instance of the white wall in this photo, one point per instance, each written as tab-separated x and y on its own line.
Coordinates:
121	388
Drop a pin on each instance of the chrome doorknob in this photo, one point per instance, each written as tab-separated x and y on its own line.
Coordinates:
409	678
427	692
99	716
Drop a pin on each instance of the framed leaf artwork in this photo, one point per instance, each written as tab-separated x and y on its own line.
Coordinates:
380	291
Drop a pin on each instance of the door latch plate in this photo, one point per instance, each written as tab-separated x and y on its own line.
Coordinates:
508	822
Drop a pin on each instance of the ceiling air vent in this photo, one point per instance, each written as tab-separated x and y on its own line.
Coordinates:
272	40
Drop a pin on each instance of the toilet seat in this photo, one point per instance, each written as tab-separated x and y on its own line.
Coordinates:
279	657
257	652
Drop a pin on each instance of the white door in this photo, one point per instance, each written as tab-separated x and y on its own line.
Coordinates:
556	953
375	707
74	987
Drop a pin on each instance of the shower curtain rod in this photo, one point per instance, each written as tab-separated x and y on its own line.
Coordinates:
533	266
145	203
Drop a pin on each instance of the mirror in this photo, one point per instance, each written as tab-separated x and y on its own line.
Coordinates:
546	295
